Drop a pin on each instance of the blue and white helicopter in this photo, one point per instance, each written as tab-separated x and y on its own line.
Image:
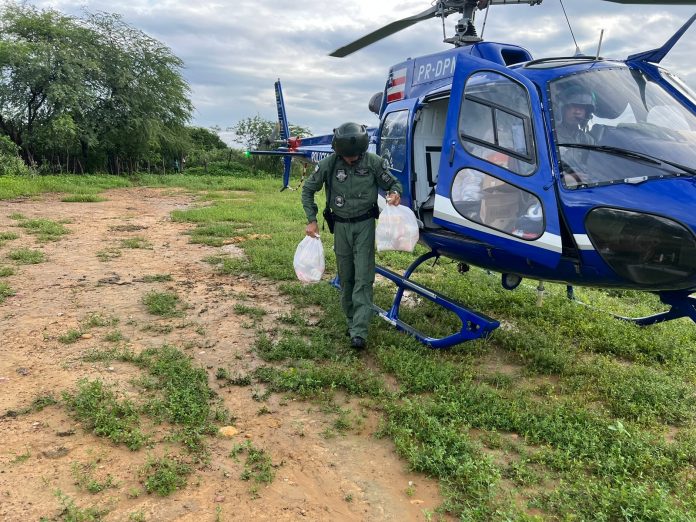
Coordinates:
476	136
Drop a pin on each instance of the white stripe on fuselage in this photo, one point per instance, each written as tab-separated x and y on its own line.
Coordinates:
445	210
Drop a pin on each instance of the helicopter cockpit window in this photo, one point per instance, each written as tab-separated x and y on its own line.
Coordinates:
494	203
616	125
393	139
495	122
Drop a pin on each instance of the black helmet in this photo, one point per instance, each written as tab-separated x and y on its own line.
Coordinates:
350	139
578	95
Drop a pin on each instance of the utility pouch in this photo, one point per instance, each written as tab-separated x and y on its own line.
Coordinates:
329	219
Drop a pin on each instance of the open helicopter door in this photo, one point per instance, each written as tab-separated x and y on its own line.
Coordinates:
495	182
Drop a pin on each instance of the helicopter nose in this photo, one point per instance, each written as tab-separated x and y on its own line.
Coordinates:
646	249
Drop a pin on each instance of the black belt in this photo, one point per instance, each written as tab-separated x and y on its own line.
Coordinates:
371	214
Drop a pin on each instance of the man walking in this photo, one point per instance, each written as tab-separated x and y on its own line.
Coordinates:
352	177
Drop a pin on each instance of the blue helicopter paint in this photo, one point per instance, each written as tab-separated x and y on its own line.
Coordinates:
476	136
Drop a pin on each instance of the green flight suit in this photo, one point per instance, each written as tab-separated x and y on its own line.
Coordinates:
353	193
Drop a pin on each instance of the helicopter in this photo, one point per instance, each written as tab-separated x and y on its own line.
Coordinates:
477	136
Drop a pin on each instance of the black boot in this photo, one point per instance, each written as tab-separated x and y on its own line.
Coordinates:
358	343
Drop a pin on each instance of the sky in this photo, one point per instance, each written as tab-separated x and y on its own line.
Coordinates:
234	50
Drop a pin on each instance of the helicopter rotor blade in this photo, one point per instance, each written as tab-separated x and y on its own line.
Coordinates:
385	31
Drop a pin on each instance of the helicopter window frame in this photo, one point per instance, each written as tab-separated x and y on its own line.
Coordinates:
391	139
530	158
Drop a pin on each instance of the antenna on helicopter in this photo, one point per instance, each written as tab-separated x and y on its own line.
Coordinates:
578	52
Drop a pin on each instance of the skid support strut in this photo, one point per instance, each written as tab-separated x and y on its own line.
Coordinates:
682	305
474	325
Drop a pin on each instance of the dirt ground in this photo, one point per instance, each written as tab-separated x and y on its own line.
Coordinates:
348	477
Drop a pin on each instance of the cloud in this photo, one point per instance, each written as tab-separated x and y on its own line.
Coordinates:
234	50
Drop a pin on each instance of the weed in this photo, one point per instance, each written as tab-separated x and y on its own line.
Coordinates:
348	497
162	303
20	459
157	278
114	337
26	256
98	409
164	475
158	328
136	242
83	474
71	336
72	513
251	311
93	320
83	198
258	466
263	410
107	254
17	216
6	271
7	236
44	229
5	292
136	516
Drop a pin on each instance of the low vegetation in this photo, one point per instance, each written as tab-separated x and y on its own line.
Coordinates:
563	410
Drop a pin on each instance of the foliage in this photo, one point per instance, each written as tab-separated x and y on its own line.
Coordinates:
97	407
79	94
164	475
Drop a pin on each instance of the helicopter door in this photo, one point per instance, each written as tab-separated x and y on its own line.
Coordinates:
495	182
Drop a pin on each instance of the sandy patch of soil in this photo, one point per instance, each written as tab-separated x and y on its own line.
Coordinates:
347	477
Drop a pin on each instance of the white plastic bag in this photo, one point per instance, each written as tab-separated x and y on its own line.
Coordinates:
397	229
309	260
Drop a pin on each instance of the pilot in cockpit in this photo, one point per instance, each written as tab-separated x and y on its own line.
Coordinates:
577	107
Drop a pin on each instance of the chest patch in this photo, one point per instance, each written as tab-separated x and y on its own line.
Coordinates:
341	175
339	201
361	172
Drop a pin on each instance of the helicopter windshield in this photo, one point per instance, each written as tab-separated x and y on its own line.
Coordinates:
618	125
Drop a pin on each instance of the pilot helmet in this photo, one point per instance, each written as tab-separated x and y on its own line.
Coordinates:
350	139
575	94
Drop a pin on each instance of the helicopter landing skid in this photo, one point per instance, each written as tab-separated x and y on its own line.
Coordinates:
474	325
682	305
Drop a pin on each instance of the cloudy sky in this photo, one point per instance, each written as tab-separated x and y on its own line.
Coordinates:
235	49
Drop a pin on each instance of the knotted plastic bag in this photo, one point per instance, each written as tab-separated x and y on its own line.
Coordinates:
309	260
397	229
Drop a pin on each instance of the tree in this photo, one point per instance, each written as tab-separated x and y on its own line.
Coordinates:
92	89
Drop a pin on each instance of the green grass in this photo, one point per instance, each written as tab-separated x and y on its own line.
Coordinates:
136	242
102	413
176	392
587	398
157	278
164	475
71	336
86	479
5	292
44	229
563	414
83	198
258	468
17	186
7	236
73	513
6	271
26	256
109	253
164	304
